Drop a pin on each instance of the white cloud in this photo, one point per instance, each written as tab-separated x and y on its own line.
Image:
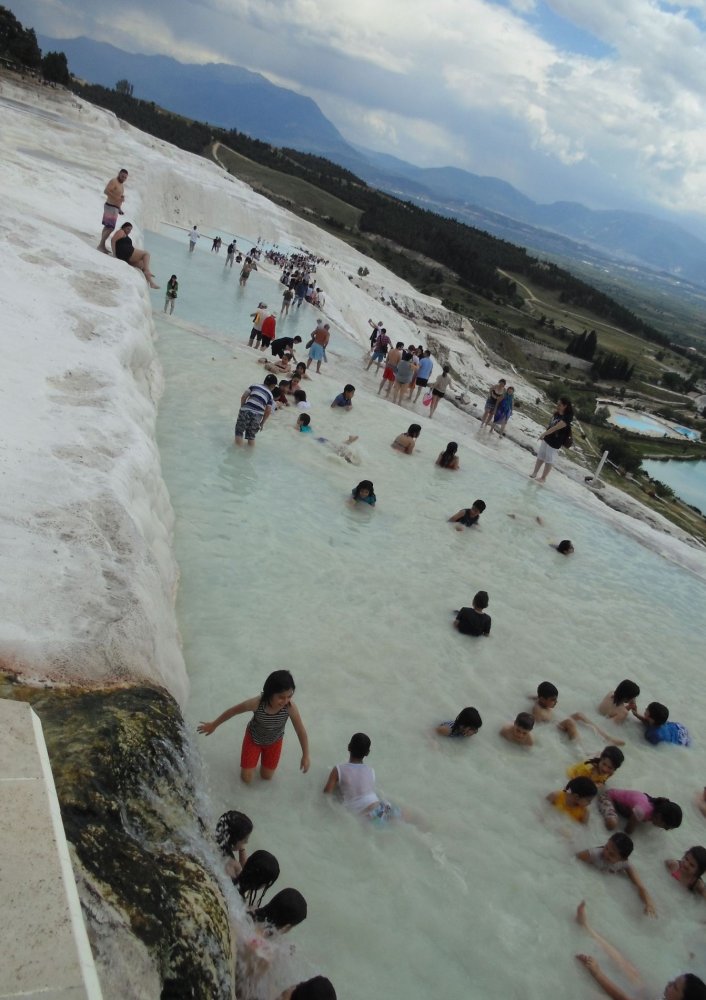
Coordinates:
433	80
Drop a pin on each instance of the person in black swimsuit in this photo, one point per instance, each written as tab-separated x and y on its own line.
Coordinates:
123	249
467	517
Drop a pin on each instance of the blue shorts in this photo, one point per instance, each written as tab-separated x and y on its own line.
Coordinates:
379	355
316	352
383	813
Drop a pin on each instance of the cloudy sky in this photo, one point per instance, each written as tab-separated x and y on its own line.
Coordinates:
600	101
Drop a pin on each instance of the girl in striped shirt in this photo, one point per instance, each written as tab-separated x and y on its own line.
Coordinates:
264	733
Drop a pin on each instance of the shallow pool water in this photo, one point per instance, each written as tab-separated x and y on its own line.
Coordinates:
648	426
278	571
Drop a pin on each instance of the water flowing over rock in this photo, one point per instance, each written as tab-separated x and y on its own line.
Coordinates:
126	788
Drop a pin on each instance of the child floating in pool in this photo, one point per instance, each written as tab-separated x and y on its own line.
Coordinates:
684	987
474	621
520	731
613	857
467	723
468	517
575	798
355	781
303	424
598	769
364	492
265	731
690	869
637	807
565	547
545	702
658	729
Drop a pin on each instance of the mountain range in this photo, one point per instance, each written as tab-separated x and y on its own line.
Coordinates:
233	97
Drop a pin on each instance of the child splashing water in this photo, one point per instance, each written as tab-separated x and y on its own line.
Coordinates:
265	731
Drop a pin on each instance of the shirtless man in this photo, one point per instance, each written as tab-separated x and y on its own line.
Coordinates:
114	197
388	376
317	352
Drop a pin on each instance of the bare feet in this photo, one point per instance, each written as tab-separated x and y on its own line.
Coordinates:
104	250
581	918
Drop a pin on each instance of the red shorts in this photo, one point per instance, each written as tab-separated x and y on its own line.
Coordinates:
251	751
389	374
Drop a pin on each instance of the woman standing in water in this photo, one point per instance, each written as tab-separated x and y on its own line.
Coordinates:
556	434
170	297
503	412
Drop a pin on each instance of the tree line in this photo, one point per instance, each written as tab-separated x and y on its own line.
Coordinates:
19	47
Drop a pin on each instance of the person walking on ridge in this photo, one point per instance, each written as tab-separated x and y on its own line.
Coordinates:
114	192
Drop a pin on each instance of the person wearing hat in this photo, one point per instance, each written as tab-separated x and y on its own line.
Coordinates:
258	318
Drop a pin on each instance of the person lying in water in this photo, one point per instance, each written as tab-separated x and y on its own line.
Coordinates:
613	857
355	782
687	986
343	450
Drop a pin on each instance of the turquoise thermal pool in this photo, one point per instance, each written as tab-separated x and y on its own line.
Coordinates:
278	571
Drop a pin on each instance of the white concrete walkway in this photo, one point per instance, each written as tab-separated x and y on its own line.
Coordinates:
43	942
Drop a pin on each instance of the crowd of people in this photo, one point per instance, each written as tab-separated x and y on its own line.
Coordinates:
407	370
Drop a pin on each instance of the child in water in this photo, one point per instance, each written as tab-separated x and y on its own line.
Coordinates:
598	769
265	731
259	874
303	424
318	988
613	857
575	798
689	870
364	492
658	729
619	703
467	723
233	831
355	781
637	807
520	731
468	517
405	442
474	621
448	459
684	987
545	702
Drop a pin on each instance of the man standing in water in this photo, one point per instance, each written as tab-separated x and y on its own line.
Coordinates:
114	197
319	342
194	237
256	405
